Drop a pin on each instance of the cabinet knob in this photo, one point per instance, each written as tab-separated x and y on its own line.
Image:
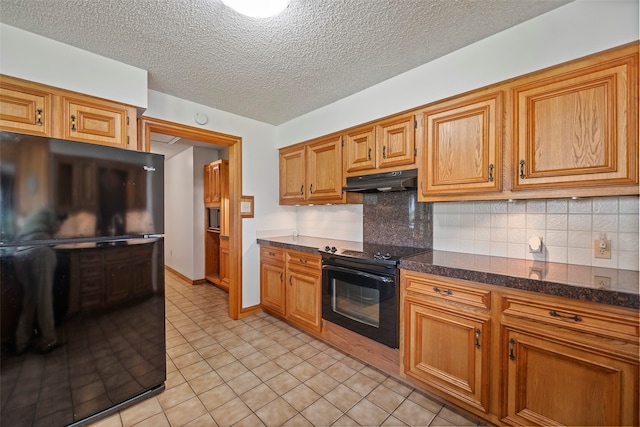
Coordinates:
73	122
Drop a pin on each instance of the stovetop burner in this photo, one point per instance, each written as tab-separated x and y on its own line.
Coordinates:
374	252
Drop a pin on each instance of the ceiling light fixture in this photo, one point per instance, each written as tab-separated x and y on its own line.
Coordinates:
257	8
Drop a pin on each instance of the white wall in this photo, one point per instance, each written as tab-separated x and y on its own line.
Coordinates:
32	57
179	212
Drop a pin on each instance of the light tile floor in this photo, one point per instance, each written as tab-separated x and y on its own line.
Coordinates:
260	371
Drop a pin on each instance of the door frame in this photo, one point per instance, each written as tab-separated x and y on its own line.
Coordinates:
147	125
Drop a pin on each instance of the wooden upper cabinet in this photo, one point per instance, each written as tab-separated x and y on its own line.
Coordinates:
24	108
324	170
35	109
360	149
388	143
292	175
577	124
102	122
463	146
312	172
215	183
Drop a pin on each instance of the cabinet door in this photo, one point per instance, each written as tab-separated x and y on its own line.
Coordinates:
207	183
272	287
463	146
396	142
360	149
556	382
98	122
324	170
24	109
292	175
448	350
214	188
303	297
577	128
224	263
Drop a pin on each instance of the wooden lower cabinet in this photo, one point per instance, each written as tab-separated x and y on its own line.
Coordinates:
446	342
224	262
457	364
541	360
291	286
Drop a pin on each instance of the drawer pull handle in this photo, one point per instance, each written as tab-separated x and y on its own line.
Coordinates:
290	280
311	188
302	189
575	317
440	291
522	176
369	153
39	117
272	253
512	344
73	122
384	151
491	172
477	337
302	260
281	277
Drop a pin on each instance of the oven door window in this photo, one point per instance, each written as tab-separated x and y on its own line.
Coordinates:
356	302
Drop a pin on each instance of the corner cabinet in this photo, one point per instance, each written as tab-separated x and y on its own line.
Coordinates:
312	172
40	110
388	143
463	146
576	125
520	358
291	286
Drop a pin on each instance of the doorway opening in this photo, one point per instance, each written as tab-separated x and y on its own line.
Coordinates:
147	126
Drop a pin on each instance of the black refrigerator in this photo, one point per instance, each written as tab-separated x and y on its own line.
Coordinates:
81	280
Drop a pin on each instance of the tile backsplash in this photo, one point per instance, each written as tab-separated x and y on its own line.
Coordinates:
567	228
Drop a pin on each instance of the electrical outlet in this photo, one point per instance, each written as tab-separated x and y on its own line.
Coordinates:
602	282
602	248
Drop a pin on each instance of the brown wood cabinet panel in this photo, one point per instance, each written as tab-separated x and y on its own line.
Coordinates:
272	279
86	120
463	145
551	382
324	170
224	263
292	175
360	149
396	141
448	351
577	126
291	286
24	108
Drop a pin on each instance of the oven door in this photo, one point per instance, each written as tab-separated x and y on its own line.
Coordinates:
361	301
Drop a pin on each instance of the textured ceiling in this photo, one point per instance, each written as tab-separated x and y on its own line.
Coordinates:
273	70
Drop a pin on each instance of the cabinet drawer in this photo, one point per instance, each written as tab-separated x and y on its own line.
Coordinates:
303	259
605	321
269	253
442	289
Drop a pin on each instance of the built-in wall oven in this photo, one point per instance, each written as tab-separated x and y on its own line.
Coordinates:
361	292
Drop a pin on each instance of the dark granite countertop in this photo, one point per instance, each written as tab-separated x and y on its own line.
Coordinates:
566	280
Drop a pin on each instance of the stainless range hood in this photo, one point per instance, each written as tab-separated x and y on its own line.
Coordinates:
382	182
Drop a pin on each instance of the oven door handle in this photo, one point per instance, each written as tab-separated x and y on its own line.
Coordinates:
359	273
